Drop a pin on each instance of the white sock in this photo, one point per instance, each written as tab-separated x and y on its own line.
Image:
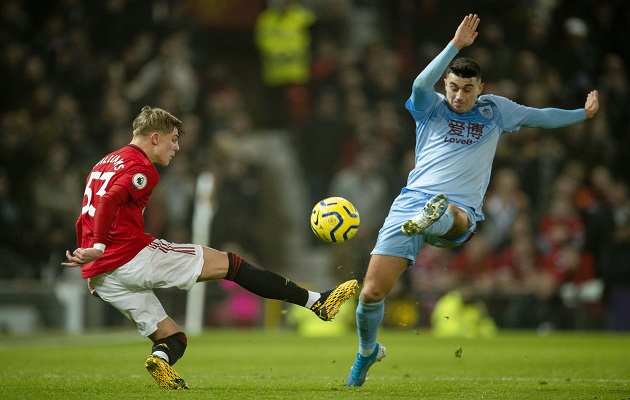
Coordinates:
161	354
312	298
442	225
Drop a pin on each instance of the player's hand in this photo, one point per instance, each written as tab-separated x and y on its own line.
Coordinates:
81	256
592	104
91	288
466	32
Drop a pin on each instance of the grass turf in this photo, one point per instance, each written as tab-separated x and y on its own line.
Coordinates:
257	364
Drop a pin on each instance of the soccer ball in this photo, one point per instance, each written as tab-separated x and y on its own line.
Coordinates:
334	220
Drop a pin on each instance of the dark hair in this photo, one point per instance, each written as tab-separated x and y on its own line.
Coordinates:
464	68
156	119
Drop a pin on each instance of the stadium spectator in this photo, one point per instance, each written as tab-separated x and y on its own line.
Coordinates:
615	258
539	170
18	156
239	197
459	313
388	140
562	223
367	189
236	306
615	84
170	73
18	239
53	127
56	182
504	202
14	84
473	267
526	285
456	136
572	270
431	274
382	74
175	199
219	107
320	144
282	35
598	216
579	55
561	239
325	65
114	23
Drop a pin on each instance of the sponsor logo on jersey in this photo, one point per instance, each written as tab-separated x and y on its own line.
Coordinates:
463	132
139	181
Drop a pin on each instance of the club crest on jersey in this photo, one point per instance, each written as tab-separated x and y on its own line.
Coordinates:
139	181
486	112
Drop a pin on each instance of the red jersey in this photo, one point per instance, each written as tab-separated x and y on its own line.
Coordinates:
131	169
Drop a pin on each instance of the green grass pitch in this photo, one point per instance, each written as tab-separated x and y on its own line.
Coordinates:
259	364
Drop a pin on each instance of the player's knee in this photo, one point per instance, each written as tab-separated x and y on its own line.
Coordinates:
173	346
372	294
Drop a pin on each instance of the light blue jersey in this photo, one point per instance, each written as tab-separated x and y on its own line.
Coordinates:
454	152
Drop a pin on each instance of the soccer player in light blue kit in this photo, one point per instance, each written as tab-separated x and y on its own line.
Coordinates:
456	139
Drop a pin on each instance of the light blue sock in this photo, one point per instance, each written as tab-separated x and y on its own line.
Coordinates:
442	225
369	318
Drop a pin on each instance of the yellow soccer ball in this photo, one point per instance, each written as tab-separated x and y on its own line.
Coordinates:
334	220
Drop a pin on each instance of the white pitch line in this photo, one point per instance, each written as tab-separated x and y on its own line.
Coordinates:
442	379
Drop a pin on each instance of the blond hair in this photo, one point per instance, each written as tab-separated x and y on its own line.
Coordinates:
155	119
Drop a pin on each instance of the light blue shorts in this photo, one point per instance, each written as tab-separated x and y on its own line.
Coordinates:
392	242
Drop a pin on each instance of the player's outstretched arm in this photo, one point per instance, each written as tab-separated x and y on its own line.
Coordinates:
422	90
466	32
592	104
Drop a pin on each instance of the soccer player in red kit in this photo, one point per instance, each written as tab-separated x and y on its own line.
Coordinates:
123	263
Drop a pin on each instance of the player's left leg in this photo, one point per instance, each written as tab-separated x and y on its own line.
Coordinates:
438	218
164	375
169	342
144	310
430	216
270	285
461	223
169	345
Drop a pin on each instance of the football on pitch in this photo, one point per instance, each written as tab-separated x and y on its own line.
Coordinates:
334	220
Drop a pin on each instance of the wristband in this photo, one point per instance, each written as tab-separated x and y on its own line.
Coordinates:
99	246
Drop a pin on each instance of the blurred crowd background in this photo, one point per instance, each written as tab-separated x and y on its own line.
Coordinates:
330	79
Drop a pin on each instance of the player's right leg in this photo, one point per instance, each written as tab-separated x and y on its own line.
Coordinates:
331	300
358	372
382	274
267	284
